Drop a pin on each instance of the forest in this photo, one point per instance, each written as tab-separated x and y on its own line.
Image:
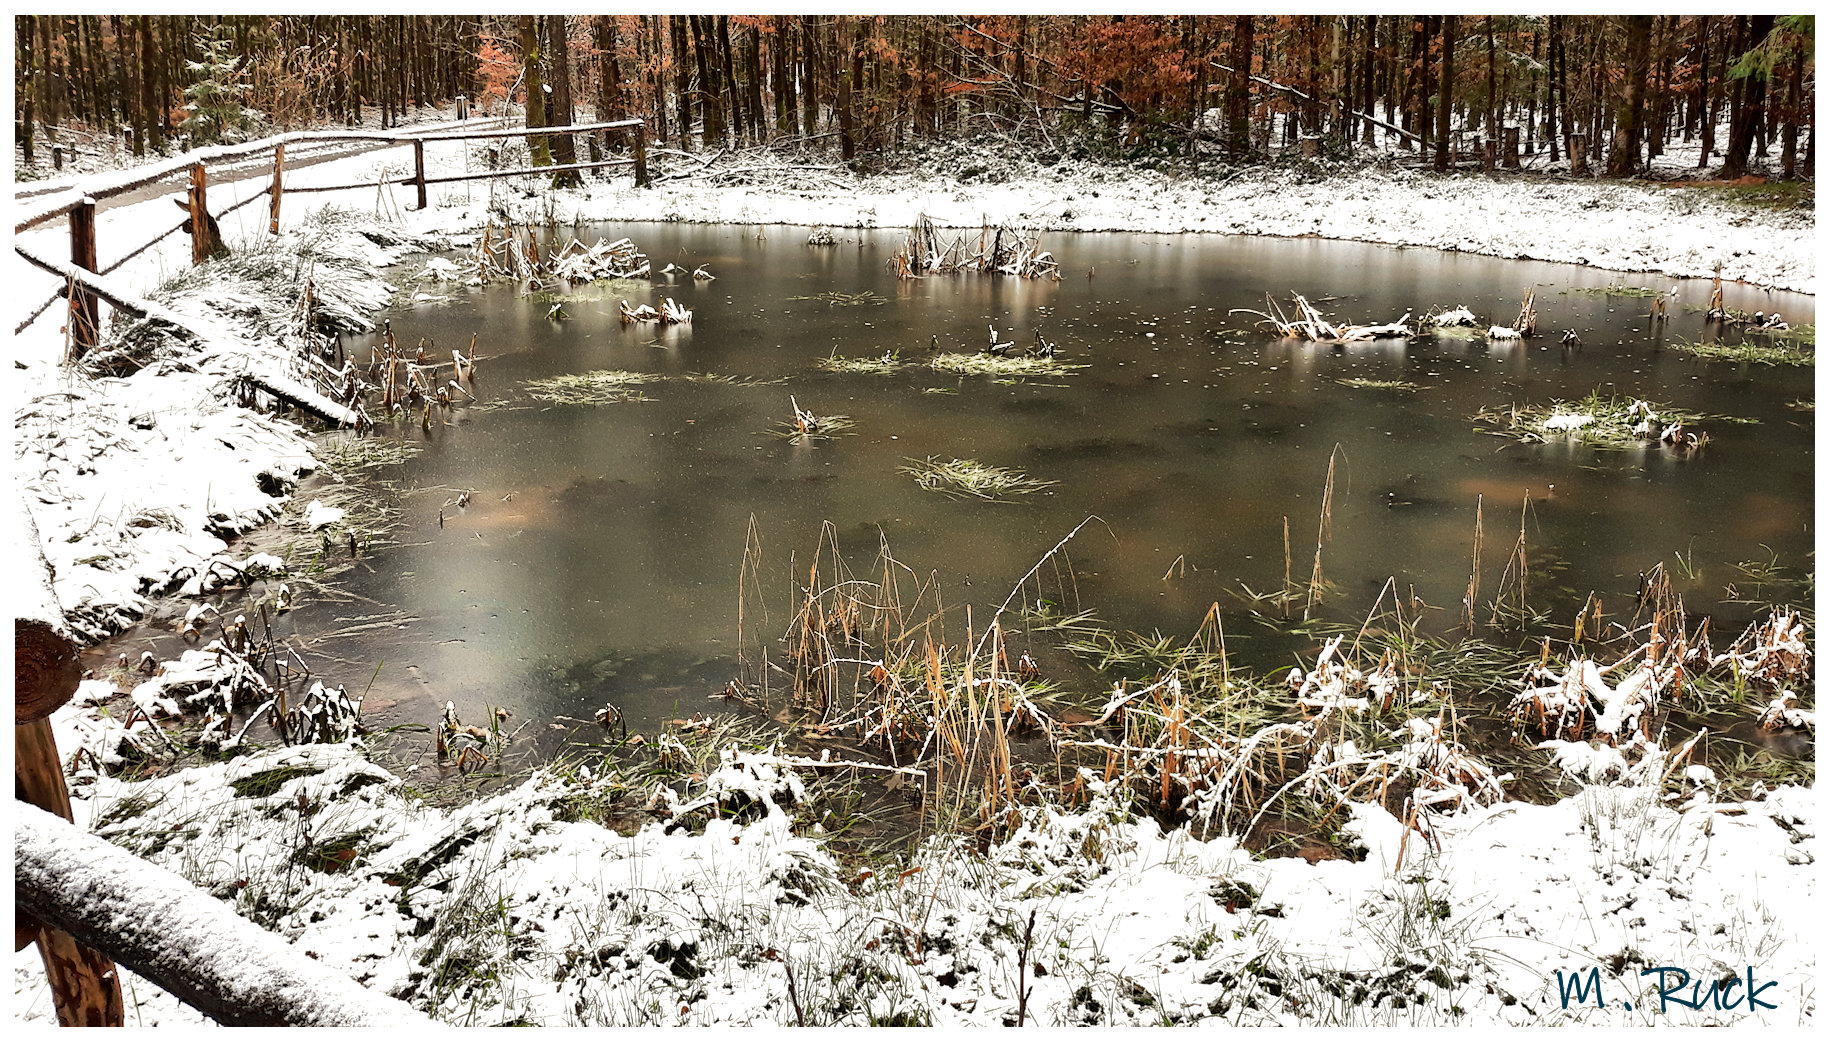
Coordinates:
1614	91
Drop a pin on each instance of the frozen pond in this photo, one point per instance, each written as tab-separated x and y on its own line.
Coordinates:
598	554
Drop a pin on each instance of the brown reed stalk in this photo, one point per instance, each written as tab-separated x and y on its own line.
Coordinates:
1324	532
1474	571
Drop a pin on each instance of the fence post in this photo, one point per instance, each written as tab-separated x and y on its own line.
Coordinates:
200	216
273	213
84	986
85	309
419	171
641	155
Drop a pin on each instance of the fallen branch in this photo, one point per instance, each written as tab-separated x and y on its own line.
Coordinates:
1292	91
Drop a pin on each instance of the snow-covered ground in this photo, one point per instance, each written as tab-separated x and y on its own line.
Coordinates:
136	482
509	910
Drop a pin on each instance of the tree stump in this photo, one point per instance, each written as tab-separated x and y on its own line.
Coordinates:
1512	148
1579	155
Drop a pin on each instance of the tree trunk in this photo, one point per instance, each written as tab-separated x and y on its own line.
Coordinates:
603	41
1493	125
1630	114
565	150
711	107
1794	111
1239	92
1745	118
781	49
1366	74
683	103
649	53
535	87
23	86
810	75
753	76
1445	92
725	74
1561	83
847	144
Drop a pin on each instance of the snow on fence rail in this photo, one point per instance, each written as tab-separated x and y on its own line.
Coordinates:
78	204
157	924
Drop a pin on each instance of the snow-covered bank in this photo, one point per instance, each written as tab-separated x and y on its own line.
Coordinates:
510	910
1634	227
137	481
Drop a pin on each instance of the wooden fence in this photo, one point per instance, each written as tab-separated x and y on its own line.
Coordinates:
90	905
78	204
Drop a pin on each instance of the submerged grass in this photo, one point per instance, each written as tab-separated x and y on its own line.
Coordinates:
1613	421
1379	385
879	365
1616	290
345	451
979	364
600	387
845	300
610	386
1787	351
970	478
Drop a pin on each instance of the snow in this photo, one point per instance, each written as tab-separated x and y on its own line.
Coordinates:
1565	421
317	516
1465	922
136	482
161	918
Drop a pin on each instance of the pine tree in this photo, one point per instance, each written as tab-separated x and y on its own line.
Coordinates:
213	101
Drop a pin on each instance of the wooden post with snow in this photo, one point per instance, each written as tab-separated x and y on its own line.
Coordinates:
84	986
419	171
85	309
273	208
200	216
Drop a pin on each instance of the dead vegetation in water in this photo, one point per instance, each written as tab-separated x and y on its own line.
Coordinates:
517	253
1611	421
1379	385
614	386
1007	366
879	365
599	387
998	250
1309	324
807	426
1780	351
837	299
968	478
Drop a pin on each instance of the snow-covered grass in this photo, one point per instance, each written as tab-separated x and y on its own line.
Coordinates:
520	909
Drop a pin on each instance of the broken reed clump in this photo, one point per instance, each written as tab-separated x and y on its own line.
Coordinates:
998	250
1309	324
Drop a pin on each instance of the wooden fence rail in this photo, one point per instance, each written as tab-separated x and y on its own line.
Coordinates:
89	905
156	923
78	204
